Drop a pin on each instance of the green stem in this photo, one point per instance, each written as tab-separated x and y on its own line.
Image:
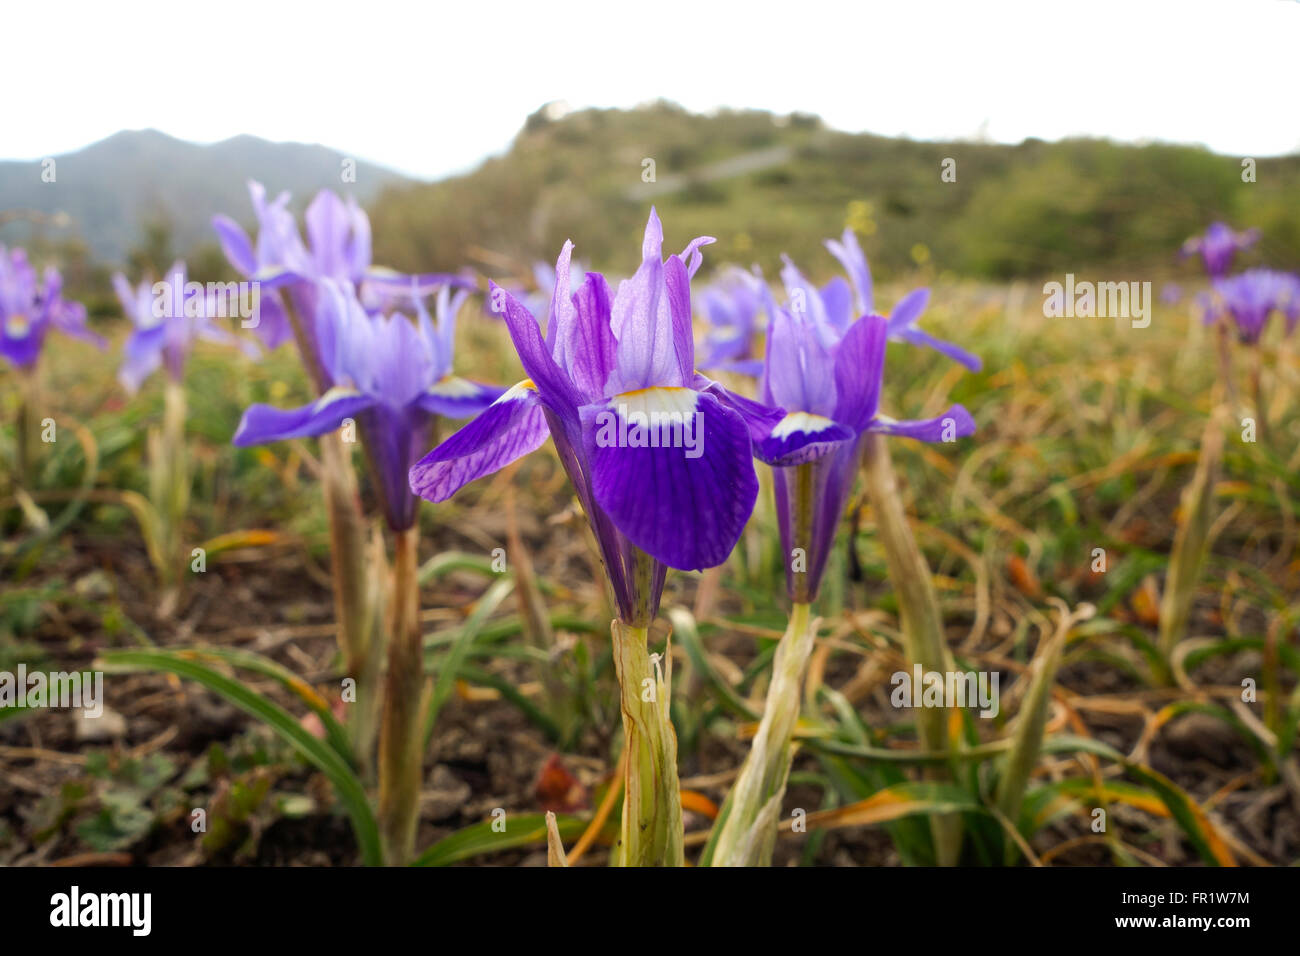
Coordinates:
400	739
652	831
749	817
357	602
29	428
921	619
170	489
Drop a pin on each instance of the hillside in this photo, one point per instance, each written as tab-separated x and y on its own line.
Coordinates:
764	183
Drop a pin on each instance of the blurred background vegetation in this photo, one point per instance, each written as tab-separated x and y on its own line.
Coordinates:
762	183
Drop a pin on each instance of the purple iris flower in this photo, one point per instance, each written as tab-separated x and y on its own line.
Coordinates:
391	376
608	368
29	308
829	385
1217	247
835	306
1250	298
168	317
732	305
337	248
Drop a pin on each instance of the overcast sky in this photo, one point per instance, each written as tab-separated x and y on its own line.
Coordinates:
433	88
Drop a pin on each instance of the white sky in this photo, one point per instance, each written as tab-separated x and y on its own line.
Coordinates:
432	88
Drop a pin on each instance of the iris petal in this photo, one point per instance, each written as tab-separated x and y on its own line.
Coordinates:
956	422
687	505
264	423
801	437
456	397
511	427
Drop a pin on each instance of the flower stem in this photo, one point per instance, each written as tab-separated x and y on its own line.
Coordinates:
400	738
921	619
652	806
28	427
170	488
356	601
749	816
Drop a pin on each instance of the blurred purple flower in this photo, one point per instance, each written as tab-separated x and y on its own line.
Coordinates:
604	367
337	248
1249	299
731	305
1171	293
30	308
169	316
391	376
1218	245
837	304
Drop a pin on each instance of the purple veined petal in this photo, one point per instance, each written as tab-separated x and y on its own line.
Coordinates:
914	336
561	315
456	397
70	319
511	427
652	243
585	346
400	360
837	300
142	355
692	256
955	423
423	283
264	423
356	253
125	295
273	327
759	418
328	225
854	261
686	502
553	386
805	303
278	242
800	437
859	370
800	372
642	323
908	310
678	285
236	245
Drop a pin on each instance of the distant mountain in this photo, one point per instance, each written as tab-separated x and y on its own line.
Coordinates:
110	191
